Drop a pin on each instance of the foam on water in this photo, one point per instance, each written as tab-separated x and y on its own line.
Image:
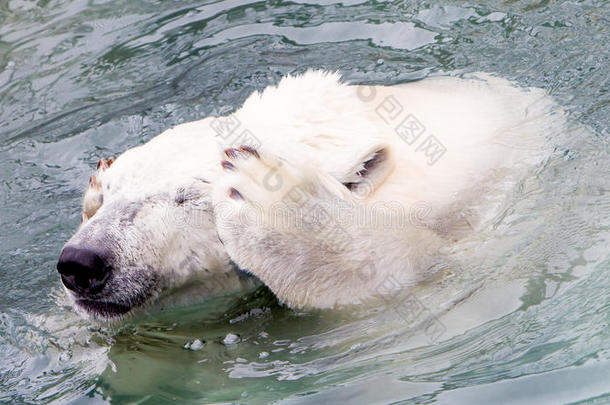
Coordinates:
523	319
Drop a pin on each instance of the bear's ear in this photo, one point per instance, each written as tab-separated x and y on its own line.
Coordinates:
370	171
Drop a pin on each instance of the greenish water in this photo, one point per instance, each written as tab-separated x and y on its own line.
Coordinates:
84	79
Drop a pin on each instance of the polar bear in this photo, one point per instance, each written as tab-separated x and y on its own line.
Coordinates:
328	193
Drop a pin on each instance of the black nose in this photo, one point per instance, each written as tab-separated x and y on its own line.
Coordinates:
83	269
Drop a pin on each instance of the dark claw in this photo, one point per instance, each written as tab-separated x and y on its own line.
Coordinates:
227	165
234	194
250	150
231	153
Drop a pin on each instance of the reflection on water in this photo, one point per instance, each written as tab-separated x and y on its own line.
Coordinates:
525	317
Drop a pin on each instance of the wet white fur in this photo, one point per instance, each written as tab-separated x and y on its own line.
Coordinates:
324	130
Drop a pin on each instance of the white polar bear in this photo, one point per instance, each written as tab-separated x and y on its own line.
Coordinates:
330	194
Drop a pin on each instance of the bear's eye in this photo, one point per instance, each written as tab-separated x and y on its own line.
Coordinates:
191	193
183	195
180	196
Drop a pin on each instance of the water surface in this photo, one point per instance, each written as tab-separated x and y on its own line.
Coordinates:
525	320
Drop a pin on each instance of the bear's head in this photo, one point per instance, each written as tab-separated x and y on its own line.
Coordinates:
148	228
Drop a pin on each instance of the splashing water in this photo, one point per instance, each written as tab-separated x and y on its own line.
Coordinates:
524	320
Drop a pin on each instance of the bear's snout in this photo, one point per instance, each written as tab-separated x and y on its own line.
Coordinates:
83	269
